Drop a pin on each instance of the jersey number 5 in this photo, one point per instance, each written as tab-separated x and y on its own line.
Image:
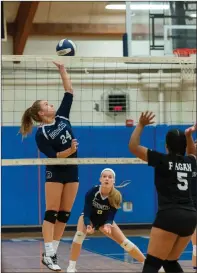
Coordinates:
182	178
65	137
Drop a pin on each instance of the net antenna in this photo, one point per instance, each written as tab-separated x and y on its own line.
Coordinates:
187	65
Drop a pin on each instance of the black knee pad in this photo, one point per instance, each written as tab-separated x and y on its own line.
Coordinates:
63	216
152	264
50	216
172	267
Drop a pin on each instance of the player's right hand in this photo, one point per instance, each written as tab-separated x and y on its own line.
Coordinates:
74	145
146	118
191	130
90	229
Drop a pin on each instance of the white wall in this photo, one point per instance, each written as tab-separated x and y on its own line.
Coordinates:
37	45
22	85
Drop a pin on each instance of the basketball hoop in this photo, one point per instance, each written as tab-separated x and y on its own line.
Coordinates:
187	60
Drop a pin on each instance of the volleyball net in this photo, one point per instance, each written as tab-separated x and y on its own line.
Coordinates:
107	92
109	96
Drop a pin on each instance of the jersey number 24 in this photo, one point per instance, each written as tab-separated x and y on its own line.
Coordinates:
182	178
65	137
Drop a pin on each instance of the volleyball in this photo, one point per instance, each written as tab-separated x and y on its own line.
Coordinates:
66	47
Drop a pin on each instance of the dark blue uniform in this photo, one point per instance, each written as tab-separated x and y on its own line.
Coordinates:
57	137
173	181
97	209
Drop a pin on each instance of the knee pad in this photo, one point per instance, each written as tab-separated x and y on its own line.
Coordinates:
50	216
79	237
194	250
152	263
172	267
127	245
63	216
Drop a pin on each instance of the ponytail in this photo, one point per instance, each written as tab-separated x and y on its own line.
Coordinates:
30	115
115	198
26	123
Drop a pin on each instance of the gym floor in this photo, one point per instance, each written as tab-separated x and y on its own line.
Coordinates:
21	252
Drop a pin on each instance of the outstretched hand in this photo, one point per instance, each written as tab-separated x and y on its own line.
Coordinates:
59	65
146	118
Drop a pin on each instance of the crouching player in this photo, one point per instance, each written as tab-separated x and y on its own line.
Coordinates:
101	205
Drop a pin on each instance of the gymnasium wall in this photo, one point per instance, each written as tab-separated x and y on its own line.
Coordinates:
97	47
23	186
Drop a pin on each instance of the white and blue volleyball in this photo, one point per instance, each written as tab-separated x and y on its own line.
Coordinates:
66	47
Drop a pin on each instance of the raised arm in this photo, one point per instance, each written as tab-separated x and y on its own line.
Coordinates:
65	106
191	149
134	143
67	84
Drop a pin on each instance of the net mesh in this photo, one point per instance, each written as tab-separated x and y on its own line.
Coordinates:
107	92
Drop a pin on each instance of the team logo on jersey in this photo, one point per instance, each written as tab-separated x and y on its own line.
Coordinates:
48	174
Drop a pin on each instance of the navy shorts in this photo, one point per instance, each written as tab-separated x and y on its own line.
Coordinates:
66	174
179	221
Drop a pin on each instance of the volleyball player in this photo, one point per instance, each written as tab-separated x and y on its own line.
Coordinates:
194	196
176	218
101	205
55	139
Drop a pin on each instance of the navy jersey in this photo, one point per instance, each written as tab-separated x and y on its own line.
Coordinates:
97	208
173	178
57	136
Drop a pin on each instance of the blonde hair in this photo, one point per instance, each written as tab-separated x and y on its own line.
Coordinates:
115	198
30	115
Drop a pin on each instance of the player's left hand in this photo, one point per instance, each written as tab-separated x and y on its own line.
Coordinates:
191	130
107	228
59	65
146	118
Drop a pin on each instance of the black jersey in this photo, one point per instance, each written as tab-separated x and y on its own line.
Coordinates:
97	208
194	186
173	178
57	136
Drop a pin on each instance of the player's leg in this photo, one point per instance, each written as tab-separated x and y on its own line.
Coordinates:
171	263
160	245
76	245
118	236
185	229
194	252
67	200
53	192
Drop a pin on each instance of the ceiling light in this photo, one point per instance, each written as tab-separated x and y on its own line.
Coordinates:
138	6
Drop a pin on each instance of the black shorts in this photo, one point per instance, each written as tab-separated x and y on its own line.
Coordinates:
195	203
179	221
68	174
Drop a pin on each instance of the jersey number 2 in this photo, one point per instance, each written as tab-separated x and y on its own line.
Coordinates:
182	178
65	137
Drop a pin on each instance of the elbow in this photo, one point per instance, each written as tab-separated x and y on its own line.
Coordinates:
132	147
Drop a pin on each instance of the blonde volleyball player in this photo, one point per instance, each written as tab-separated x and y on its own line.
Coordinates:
55	139
101	205
175	221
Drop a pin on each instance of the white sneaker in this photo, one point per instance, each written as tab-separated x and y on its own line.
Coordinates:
51	262
71	269
161	270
